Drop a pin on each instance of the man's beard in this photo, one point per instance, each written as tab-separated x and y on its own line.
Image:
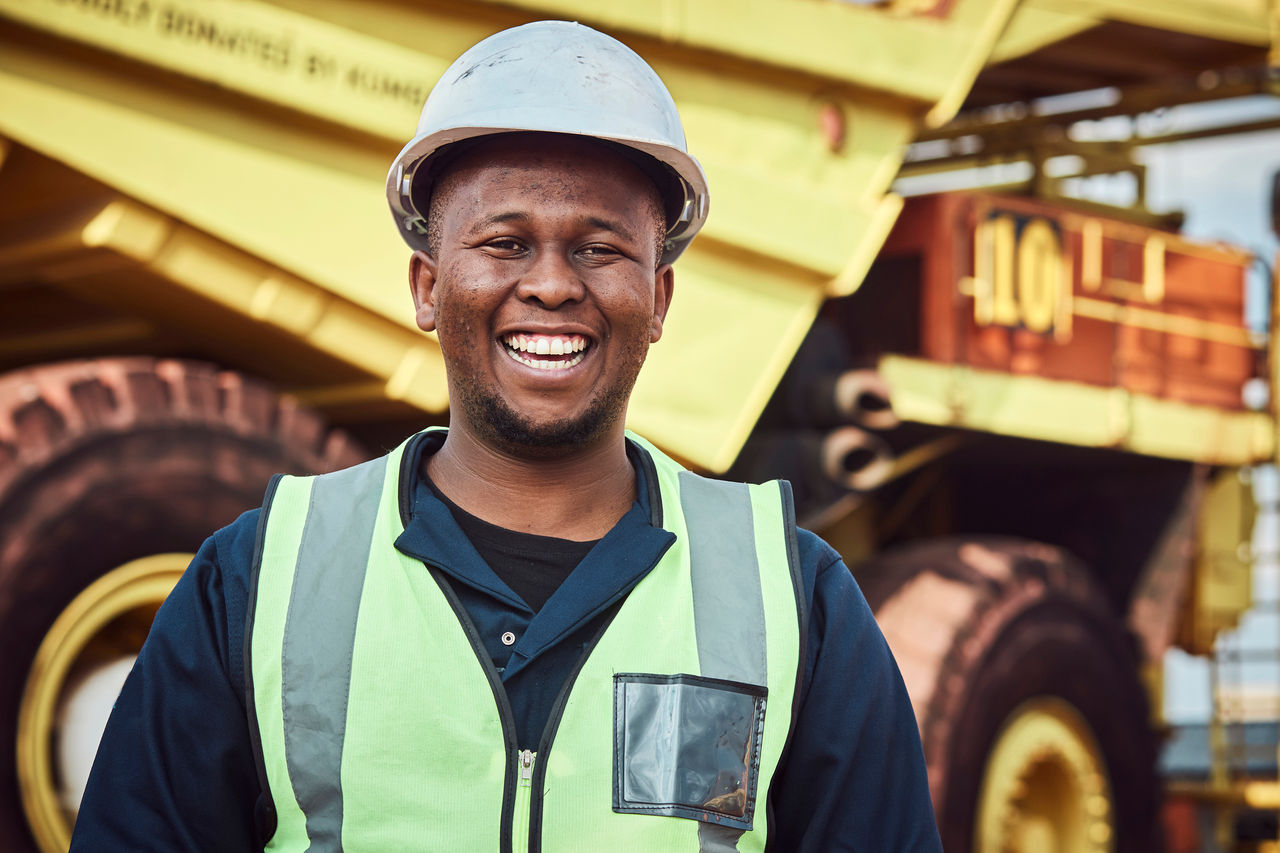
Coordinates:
492	418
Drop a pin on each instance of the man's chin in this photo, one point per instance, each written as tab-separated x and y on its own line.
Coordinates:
517	434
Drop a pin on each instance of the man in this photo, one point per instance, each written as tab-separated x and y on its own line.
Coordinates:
532	630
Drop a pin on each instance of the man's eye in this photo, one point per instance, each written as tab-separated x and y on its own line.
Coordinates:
599	251
504	244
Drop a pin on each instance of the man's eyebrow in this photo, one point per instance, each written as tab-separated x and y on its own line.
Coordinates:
610	225
499	218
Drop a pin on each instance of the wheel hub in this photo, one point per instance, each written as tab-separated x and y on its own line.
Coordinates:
74	680
1044	787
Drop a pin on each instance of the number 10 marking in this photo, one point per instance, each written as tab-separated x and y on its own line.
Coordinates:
1021	276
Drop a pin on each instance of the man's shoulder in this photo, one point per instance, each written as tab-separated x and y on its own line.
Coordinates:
815	551
830	587
229	551
239	534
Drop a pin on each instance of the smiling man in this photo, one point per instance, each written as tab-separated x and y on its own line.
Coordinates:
532	630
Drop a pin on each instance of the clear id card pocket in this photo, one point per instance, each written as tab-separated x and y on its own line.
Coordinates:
687	746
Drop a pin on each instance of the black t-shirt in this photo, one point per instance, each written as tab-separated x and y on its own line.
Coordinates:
533	566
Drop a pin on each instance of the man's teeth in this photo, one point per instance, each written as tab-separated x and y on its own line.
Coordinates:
546	345
545	363
520	347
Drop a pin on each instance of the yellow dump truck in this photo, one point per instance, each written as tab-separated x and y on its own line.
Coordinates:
1018	414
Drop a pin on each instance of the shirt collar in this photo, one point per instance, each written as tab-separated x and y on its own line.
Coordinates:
616	564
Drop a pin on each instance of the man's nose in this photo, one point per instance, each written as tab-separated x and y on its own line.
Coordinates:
551	281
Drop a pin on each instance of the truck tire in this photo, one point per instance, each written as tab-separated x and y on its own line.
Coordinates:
1025	685
114	471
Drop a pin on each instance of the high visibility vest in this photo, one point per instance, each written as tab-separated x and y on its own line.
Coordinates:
383	724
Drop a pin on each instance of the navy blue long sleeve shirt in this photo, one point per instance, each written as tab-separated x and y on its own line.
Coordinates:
176	769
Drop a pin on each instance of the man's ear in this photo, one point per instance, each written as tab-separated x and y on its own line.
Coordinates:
664	283
422	285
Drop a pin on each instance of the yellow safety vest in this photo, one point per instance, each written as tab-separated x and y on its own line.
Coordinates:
384	726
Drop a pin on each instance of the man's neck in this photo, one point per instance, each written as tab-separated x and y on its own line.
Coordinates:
579	496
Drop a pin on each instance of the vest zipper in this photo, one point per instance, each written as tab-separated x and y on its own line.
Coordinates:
524	796
521	811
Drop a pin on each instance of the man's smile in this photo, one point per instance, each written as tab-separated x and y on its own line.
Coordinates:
546	352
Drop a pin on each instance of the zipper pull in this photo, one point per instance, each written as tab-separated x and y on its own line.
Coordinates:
526	767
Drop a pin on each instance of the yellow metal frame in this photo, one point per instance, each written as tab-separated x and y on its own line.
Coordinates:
140	583
1160	321
1040	23
402	364
1074	413
919	57
1242	21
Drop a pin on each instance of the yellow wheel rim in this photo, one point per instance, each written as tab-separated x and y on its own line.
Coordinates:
105	622
1045	788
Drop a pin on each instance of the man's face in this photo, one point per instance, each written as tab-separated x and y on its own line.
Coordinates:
544	290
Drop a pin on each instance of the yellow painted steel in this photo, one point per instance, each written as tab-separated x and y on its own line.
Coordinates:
885	48
1241	21
1222	586
405	363
1034	26
1190	327
1074	413
1273	56
1045	785
290	59
1039	23
681	392
234	178
140	585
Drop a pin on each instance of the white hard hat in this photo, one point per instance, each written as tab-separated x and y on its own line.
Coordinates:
554	77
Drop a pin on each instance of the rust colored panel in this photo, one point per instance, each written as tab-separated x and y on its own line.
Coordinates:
1030	287
937	228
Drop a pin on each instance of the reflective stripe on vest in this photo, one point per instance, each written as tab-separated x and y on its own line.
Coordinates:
383	724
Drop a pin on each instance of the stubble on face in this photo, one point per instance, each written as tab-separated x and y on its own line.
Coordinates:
506	428
496	422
